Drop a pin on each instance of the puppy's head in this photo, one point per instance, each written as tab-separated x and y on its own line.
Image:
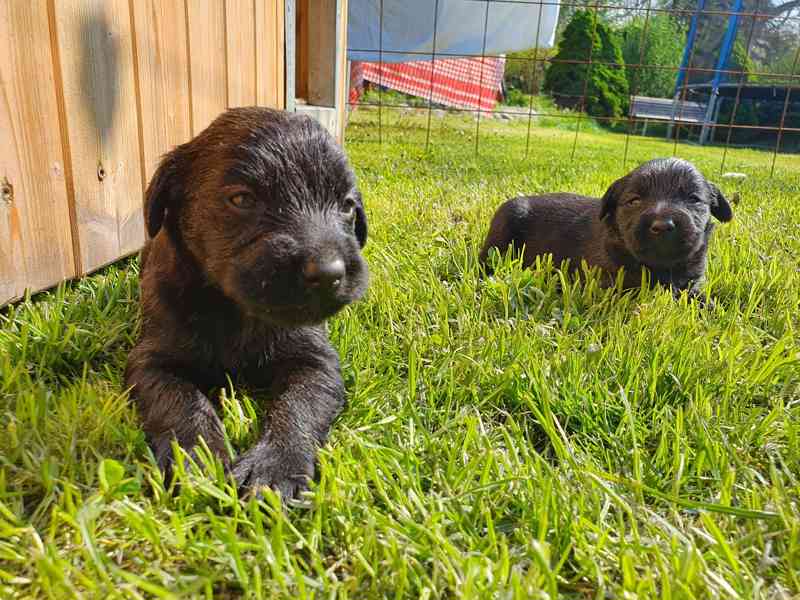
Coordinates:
663	210
265	204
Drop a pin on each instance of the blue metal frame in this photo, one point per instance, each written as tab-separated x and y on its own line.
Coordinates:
725	49
687	51
727	45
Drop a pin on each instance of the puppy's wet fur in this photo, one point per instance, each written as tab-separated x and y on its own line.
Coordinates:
255	229
658	218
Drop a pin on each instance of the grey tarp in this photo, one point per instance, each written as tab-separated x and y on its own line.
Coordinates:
462	28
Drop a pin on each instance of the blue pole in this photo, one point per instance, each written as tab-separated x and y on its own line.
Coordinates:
725	52
687	50
727	45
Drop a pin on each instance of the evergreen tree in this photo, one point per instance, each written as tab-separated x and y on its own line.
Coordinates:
585	40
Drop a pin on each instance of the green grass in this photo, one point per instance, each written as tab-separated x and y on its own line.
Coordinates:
505	438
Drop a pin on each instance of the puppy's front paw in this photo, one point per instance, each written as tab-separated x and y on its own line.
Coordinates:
203	422
285	470
707	303
703	301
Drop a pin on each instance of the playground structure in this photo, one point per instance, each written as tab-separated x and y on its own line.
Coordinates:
692	97
724	55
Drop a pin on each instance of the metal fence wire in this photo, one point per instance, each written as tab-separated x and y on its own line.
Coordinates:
736	81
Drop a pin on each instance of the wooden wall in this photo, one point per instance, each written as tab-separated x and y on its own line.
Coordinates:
92	93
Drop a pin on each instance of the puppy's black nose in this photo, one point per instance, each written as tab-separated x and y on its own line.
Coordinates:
660	226
324	273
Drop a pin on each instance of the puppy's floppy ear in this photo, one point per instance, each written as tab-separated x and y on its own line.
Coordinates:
611	197
719	204
361	221
163	192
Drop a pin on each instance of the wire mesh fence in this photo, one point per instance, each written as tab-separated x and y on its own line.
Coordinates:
718	73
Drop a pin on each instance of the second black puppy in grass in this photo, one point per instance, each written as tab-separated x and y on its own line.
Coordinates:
657	218
255	230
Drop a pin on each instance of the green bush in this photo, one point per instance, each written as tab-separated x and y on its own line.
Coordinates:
658	41
524	70
606	88
515	97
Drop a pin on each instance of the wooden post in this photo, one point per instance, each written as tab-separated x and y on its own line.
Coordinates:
319	68
320	46
342	82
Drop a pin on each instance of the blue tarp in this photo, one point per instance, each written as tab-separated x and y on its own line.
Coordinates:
405	31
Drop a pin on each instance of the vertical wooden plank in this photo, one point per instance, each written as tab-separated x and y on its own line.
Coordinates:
269	53
163	77
342	72
302	48
35	236
206	25
321	48
95	49
240	23
289	54
280	54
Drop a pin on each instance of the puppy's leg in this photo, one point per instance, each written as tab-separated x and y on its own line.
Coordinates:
307	395
694	274
172	408
509	227
498	238
694	291
688	279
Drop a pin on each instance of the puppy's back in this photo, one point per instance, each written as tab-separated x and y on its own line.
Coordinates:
560	224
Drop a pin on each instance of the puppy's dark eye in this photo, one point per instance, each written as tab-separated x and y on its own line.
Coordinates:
348	208
243	201
634	200
695	198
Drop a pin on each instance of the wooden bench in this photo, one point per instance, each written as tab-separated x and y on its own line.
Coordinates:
667	109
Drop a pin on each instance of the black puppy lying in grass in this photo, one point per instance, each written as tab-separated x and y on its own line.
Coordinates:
255	229
657	218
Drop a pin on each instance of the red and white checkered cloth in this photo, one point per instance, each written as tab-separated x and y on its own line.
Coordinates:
469	83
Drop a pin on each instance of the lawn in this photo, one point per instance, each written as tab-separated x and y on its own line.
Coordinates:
522	436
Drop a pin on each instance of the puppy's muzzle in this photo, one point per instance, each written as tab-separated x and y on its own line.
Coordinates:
665	235
324	274
659	227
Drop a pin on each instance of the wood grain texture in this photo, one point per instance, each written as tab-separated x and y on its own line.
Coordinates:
343	73
163	77
206	24
270	35
92	94
321	48
302	47
95	49
240	36
35	236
